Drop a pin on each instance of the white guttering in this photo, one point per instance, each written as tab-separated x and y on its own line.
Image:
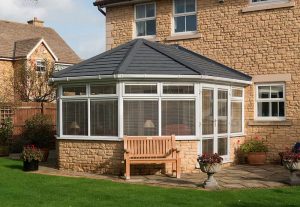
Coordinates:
126	2
145	76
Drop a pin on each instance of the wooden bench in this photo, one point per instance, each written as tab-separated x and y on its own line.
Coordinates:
151	150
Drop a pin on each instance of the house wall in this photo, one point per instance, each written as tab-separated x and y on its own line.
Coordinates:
6	80
261	42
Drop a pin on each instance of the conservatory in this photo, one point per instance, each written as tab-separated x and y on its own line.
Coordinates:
144	88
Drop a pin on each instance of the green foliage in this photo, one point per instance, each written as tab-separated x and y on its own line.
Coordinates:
6	131
38	131
30	153
254	146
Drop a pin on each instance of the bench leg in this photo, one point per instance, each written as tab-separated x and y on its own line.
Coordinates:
173	168
127	170
178	169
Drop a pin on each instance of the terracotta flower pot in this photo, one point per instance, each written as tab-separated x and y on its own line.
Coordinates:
256	158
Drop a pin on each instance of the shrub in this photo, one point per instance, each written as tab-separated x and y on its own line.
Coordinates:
6	131
38	131
254	146
209	159
289	156
30	152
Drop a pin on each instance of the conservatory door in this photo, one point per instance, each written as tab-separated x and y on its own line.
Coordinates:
215	121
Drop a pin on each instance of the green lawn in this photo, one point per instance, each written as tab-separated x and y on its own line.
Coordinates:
24	189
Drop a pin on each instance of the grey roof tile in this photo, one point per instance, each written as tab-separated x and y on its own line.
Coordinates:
144	57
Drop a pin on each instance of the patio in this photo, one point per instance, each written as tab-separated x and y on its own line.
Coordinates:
234	177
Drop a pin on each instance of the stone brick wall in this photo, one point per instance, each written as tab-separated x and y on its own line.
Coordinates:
6	80
257	43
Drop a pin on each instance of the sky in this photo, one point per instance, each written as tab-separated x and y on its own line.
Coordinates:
78	22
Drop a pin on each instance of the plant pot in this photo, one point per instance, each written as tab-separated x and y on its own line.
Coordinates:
33	165
4	151
256	158
45	152
210	170
293	167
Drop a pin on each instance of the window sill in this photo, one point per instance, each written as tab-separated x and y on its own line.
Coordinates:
269	123
267	6
149	38
184	37
83	138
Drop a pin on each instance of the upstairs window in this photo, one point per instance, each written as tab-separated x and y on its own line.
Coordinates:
270	101
185	18
145	19
40	66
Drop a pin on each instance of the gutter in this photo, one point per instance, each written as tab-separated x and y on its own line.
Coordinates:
145	76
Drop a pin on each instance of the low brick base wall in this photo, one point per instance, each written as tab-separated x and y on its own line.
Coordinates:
106	157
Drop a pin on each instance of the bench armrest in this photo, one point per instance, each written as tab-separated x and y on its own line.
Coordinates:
126	151
175	149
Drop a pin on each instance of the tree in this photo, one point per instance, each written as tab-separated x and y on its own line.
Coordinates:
31	84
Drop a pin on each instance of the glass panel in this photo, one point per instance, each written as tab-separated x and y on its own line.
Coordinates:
237	92
191	23
151	27
207	146
141	89
150	10
276	91
74	90
207	111
222	146
140	11
281	109
103	89
274	108
74	117
190	6
236	117
104	118
180	24
179	6
140	28
264	91
178	117
222	111
263	109
178	89
140	118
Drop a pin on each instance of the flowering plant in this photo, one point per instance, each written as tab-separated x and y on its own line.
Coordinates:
254	145
290	156
209	159
30	152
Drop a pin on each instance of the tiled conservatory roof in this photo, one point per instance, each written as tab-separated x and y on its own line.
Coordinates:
140	56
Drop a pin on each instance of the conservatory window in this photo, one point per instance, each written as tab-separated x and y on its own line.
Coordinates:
237	110
75	117
178	117
140	117
79	90
177	89
103	89
141	89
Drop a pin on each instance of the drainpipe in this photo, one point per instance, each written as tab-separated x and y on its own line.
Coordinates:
101	10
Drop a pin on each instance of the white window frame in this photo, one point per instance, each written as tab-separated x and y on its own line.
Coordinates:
257	100
238	100
75	97
40	63
143	20
140	94
184	14
103	95
268	2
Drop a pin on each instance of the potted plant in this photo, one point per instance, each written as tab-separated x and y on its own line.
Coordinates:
31	157
291	161
38	132
256	151
6	131
210	164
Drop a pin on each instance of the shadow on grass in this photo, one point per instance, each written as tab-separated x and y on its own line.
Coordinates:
16	167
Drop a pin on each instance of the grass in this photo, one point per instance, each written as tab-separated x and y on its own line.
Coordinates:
25	189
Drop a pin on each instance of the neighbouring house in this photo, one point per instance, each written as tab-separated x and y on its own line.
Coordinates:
31	45
164	73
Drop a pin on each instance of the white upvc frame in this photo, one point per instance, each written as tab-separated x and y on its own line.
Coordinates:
159	96
180	15
143	20
40	63
267	2
140	94
238	100
257	100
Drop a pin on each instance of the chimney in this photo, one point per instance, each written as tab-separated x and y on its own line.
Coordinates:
36	22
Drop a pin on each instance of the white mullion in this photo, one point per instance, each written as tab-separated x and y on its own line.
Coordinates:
60	114
216	122
228	121
120	110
